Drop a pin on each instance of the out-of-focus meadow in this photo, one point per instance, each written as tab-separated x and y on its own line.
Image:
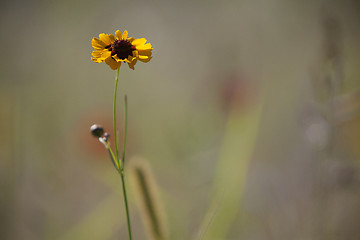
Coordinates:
248	114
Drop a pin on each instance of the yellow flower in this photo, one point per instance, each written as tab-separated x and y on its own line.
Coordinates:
119	48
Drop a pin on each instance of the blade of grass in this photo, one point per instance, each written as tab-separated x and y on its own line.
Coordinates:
237	149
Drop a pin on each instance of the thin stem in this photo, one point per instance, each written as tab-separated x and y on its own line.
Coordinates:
126	203
113	158
115	130
125	131
111	154
121	165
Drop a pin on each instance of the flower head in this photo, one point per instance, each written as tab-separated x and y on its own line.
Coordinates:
119	48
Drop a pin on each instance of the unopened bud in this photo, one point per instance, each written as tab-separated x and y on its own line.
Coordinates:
96	130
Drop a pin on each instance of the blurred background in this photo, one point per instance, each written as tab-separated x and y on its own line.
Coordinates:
248	115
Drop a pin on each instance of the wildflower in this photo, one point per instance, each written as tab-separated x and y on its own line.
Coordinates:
119	48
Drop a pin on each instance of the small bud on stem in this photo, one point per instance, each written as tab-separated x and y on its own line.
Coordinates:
97	130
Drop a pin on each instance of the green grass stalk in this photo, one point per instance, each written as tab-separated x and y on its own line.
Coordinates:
121	165
148	198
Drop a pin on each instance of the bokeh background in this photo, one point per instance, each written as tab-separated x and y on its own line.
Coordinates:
248	114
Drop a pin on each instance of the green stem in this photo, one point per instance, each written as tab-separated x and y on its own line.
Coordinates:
121	165
112	157
115	130
125	132
126	203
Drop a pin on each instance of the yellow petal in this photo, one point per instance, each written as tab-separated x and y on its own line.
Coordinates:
105	38
118	34
131	39
97	60
125	34
131	58
112	38
116	58
135	53
132	64
98	44
105	54
144	59
101	55
145	52
112	63
140	41
144	47
96	53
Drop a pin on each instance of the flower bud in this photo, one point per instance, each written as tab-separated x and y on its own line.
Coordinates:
96	130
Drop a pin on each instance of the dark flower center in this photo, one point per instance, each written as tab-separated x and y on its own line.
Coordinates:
121	48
